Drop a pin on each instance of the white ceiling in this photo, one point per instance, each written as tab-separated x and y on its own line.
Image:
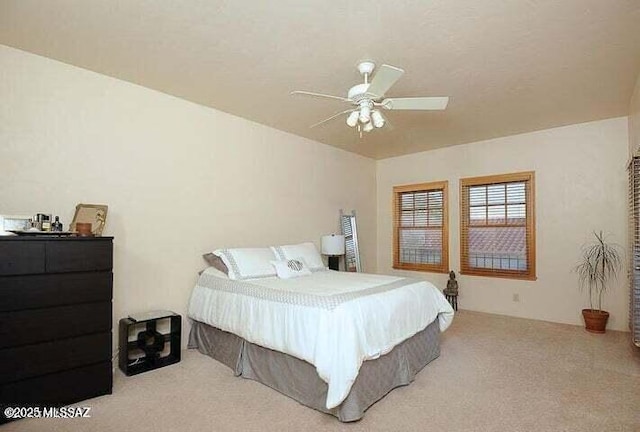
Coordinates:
509	66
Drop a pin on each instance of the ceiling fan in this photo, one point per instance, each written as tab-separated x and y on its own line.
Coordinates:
368	98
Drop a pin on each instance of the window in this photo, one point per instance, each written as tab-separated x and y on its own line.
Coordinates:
497	228
420	234
634	247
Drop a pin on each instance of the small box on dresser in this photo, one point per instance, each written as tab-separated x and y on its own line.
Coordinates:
55	320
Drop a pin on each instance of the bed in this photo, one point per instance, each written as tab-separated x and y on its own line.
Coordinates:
334	341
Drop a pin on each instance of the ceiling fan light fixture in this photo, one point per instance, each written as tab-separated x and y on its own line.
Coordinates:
368	127
352	119
377	119
365	114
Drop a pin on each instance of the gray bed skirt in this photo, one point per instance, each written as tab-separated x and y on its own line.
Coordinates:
299	380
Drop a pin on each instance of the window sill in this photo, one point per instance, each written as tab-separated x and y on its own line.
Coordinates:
501	276
419	268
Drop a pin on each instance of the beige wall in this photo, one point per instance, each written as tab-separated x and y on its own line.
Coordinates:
580	187
180	179
634	120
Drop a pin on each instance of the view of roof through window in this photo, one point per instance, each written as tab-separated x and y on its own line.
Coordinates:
422	211
497	231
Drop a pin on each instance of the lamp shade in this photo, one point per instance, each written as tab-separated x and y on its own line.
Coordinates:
352	120
377	119
333	244
365	114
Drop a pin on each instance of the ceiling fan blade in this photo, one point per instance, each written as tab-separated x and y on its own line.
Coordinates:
416	103
331	118
385	77
322	95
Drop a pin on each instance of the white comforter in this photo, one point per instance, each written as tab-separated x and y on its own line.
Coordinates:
333	320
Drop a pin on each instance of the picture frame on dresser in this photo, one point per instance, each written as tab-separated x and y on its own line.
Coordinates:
95	214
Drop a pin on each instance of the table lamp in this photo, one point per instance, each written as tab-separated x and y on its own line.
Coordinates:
333	247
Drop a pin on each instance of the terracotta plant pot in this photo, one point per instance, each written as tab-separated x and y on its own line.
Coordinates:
595	321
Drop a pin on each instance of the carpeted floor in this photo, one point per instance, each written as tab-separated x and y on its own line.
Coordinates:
495	373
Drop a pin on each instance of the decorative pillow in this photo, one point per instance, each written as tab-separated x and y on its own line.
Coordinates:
247	263
292	268
216	262
307	251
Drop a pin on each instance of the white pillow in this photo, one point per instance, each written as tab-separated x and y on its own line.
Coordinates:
247	263
307	251
212	271
292	268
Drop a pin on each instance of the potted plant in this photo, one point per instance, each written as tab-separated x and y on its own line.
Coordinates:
601	262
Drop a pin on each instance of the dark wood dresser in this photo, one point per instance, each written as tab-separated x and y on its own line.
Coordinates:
55	320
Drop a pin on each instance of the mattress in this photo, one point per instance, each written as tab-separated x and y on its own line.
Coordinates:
332	320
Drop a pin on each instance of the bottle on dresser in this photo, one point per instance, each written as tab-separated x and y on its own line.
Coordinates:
56	225
44	221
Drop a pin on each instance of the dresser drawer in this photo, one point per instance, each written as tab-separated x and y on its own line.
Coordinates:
78	255
43	358
21	257
39	291
38	325
59	388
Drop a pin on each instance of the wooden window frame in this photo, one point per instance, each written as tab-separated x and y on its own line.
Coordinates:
530	226
443	267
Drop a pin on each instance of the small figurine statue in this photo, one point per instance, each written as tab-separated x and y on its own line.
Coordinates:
101	218
451	291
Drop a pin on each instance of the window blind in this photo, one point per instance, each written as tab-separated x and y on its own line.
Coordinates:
497	229
420	227
634	246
